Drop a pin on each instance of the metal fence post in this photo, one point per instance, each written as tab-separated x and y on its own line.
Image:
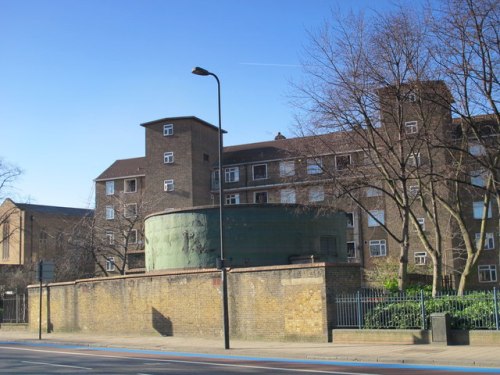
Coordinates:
360	323
495	303
422	309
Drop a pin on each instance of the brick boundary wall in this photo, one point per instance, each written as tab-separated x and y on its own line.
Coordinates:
281	303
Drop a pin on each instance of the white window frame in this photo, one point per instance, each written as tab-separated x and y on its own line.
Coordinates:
110	212
231	199
232	174
489	240
110	264
168	185
287	196
375	215
316	194
421	222
414	160
125	185
488	270
381	245
411	127
420	258
168	130
168	157
314	166
413	190
350	222
477	210
260	192
287	168
253	172
110	187
342	167
127	213
110	237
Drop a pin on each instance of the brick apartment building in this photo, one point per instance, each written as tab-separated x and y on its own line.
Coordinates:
179	171
32	232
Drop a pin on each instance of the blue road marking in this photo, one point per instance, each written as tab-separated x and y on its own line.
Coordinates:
483	370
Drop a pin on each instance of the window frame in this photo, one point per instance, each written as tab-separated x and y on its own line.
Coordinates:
254	166
131	242
125	190
353	248
314	166
487	269
375	215
168	130
258	193
168	157
420	258
478	178
477	210
316	194
421	222
350	222
287	168
110	264
382	244
110	212
288	196
167	184
343	166
232	199
489	240
126	210
414	160
373	191
110	237
411	127
110	187
232	174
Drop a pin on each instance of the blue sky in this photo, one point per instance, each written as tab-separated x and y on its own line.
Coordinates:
78	77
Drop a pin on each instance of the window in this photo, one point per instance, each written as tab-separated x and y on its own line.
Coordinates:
215	179
487	273
378	248
132	236
168	157
130	210
110	213
287	168
421	258
168	129
478	207
259	171
351	249
489	240
413	190
110	237
478	178
411	97
232	199
376	218
5	240
414	160
411	127
130	185
168	185
421	222
287	196
260	197
110	264
373	192
314	166
328	245
350	219
316	194
232	174
206	157
342	162
110	187
477	149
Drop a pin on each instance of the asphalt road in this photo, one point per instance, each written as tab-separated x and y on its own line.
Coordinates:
62	359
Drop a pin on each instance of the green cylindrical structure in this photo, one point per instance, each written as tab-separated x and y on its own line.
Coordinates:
255	235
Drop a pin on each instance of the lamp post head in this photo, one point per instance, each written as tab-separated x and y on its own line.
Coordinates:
200	71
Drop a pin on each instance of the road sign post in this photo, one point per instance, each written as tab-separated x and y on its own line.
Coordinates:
45	272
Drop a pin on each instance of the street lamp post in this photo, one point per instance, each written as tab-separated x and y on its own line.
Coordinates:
225	311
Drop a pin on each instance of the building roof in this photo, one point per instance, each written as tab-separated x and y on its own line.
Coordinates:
124	168
170	119
54	210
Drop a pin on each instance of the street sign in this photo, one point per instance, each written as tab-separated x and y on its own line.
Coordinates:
45	271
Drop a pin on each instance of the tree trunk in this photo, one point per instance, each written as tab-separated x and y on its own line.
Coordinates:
437	274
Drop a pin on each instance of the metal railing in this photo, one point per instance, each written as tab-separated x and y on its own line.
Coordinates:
15	309
376	309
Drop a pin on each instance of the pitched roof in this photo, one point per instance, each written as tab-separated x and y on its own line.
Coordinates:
54	210
124	168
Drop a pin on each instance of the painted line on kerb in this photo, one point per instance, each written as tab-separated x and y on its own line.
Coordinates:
56	365
484	370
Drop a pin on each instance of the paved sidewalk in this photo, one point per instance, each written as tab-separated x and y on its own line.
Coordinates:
478	356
